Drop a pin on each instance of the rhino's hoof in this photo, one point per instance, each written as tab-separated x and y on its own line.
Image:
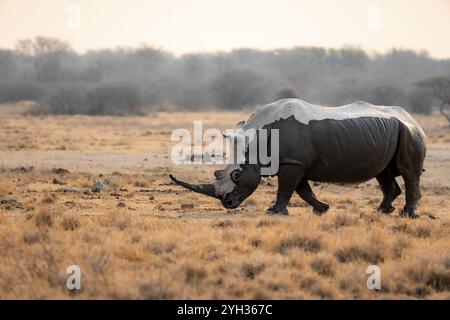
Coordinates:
386	209
320	210
409	213
273	211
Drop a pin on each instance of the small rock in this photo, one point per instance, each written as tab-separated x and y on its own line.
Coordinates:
58	181
151	197
121	205
60	171
49	199
99	186
123	189
23	169
187	206
69	190
9	203
223	224
70	204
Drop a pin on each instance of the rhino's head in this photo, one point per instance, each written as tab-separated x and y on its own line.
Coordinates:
232	186
237	181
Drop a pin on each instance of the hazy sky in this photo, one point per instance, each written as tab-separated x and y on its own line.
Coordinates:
204	25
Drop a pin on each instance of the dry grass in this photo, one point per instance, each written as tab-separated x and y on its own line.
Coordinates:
164	242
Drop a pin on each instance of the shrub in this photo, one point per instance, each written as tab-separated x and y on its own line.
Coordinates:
238	88
70	223
324	266
13	91
113	100
65	101
386	95
313	244
286	93
43	218
101	100
420	101
369	253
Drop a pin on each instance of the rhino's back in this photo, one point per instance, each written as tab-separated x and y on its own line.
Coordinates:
305	112
351	143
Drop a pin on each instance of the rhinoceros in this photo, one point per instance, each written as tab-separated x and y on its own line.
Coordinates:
347	144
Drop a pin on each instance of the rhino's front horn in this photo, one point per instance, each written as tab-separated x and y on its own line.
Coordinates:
206	189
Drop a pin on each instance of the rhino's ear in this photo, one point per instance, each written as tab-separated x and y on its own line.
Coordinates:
239	125
233	136
219	174
235	175
230	137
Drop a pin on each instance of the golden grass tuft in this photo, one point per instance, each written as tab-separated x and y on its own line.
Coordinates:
43	217
324	265
70	222
305	243
371	253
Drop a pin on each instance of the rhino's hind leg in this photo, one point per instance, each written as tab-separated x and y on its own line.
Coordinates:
390	189
409	161
304	191
289	177
413	195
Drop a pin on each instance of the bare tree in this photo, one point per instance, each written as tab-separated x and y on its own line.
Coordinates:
47	56
41	45
441	90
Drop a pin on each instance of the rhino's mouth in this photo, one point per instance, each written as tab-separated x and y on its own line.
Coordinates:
231	203
231	200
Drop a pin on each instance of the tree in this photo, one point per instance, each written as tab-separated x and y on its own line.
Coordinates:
441	90
47	56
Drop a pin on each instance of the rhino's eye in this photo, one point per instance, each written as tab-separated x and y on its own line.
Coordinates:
235	175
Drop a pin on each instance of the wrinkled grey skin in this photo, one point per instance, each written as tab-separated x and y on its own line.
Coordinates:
340	150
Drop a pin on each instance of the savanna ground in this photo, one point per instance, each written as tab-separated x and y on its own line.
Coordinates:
144	237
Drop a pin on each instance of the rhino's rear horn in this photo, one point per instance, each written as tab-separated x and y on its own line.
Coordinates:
206	189
219	174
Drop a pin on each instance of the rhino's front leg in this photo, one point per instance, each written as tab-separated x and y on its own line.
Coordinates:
289	177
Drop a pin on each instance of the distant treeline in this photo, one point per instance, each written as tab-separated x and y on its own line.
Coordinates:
124	81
